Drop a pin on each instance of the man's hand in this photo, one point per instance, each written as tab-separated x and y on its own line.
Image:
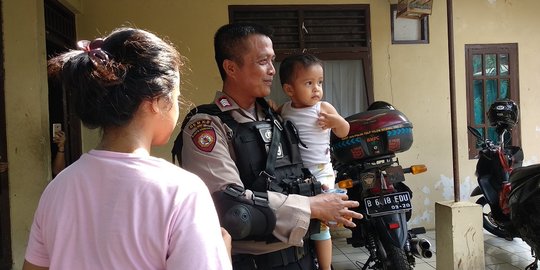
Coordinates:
334	207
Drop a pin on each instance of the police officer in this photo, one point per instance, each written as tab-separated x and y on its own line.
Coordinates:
268	222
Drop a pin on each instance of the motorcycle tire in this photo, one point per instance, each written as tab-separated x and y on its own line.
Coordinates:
488	222
396	257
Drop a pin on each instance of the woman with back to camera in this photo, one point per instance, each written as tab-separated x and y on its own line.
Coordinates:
117	207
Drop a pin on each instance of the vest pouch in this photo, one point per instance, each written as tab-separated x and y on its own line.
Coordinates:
251	150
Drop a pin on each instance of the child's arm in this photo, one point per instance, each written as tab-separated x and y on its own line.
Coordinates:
329	118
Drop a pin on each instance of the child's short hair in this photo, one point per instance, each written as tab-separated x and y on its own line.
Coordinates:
290	63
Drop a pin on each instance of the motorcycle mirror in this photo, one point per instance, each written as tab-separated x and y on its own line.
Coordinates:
475	133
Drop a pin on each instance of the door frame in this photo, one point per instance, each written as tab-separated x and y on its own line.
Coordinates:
6	259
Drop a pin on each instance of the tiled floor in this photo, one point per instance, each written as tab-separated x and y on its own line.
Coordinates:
500	254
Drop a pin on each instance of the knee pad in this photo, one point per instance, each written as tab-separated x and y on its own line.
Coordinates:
243	218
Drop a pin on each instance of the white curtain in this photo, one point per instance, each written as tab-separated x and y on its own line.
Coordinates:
344	86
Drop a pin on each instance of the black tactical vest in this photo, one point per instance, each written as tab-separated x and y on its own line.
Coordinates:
252	142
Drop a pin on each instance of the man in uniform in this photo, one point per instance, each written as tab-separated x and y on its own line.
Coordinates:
269	222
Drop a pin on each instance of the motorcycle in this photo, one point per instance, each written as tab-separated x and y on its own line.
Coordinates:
510	193
496	161
524	201
368	168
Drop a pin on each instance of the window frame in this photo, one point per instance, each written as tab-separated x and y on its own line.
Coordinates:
513	76
362	53
424	28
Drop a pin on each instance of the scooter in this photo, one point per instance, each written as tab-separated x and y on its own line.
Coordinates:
496	161
511	191
368	168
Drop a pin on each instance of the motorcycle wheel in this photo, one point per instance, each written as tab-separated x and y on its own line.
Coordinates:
396	258
487	221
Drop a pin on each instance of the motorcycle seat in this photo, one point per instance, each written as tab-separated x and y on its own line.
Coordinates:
525	182
521	174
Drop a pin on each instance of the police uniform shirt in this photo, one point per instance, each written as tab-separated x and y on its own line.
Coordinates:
208	152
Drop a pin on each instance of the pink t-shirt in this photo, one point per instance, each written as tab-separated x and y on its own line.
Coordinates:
113	210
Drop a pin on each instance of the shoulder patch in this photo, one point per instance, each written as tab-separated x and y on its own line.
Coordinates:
204	138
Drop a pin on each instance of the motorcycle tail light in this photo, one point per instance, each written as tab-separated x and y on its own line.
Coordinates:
347	183
393	226
416	169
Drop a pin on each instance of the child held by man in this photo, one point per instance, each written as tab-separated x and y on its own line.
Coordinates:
302	81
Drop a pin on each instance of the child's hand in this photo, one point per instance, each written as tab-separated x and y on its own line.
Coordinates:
327	120
340	126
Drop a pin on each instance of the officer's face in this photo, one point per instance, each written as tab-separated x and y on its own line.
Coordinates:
256	72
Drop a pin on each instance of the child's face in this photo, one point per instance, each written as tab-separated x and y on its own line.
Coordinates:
306	89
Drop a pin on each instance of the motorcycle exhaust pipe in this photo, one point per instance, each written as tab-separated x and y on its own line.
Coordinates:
420	243
420	247
425	253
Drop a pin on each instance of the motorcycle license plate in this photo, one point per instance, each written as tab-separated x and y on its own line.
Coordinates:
389	203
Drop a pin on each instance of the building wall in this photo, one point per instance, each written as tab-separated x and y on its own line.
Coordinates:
414	78
503	22
27	124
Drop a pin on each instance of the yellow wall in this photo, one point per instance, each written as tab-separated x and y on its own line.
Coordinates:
503	22
26	113
412	77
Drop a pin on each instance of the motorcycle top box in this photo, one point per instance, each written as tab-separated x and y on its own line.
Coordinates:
372	134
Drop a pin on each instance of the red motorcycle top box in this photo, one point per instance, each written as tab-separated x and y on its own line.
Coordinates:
373	133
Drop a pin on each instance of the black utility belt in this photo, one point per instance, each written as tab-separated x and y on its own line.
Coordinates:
273	259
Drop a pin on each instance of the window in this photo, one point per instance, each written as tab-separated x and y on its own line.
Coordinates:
337	34
492	73
408	31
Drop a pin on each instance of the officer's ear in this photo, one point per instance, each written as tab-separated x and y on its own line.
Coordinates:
230	67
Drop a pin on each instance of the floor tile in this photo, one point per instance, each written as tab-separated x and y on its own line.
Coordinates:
423	266
500	254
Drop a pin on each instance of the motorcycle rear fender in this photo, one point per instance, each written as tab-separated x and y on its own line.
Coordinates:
395	236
